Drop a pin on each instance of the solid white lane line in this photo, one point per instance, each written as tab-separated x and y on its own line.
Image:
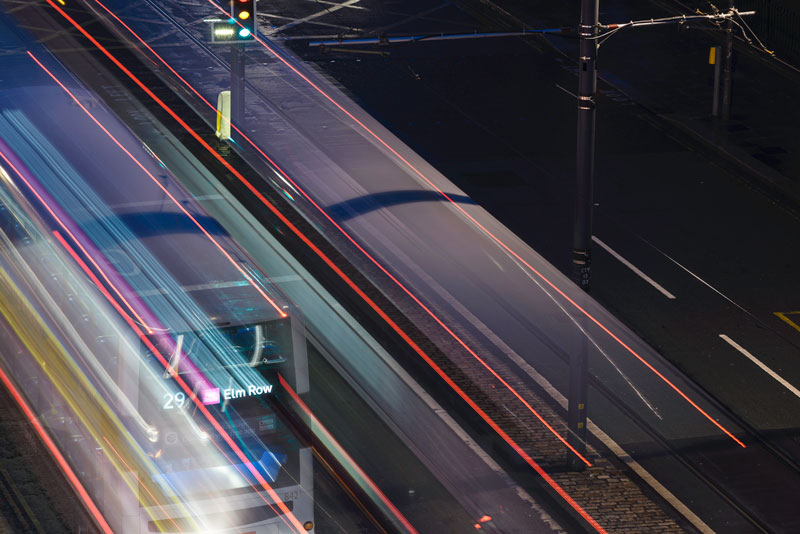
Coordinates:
633	268
764	368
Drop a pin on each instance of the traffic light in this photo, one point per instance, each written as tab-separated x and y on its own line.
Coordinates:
243	13
240	26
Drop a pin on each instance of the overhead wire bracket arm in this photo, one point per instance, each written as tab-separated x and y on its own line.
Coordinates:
680	19
386	40
606	31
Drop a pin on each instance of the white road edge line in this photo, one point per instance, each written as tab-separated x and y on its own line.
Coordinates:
763	367
633	268
558	397
621	454
597	432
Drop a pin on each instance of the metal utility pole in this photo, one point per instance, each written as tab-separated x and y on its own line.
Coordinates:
727	66
587	87
237	85
584	204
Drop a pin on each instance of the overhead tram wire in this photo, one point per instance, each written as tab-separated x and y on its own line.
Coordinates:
386	40
610	29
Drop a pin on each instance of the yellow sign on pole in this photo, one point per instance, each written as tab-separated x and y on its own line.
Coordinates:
224	115
712	55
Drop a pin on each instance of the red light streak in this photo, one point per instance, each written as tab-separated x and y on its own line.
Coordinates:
191	394
494	238
345	278
395	327
163	188
303	406
59	458
361	249
340	273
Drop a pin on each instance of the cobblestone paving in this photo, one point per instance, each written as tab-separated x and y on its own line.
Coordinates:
605	490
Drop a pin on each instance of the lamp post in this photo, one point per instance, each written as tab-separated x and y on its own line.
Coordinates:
587	87
582	230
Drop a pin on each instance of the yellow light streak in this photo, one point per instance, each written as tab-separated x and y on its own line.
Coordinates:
90	408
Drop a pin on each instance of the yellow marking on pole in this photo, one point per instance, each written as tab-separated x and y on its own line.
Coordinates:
788	321
712	56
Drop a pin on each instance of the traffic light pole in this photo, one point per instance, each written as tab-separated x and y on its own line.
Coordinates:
582	230
237	85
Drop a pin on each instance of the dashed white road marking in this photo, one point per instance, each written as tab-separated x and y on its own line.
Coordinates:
633	268
763	367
